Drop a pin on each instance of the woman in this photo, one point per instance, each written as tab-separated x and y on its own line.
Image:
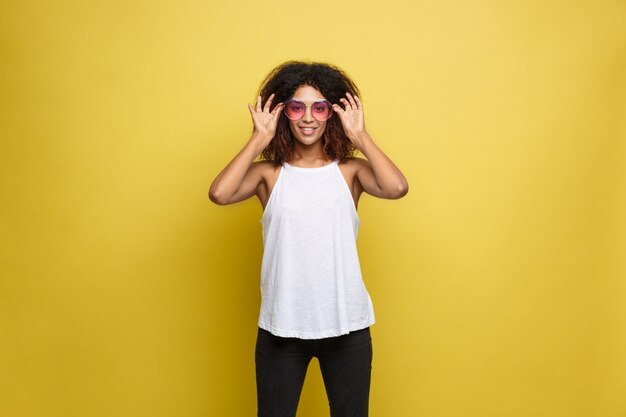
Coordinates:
308	123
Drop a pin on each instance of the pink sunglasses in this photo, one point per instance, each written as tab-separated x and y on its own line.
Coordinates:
321	110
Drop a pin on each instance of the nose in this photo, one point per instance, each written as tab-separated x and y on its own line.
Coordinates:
308	116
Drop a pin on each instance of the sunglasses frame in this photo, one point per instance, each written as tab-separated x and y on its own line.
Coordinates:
330	108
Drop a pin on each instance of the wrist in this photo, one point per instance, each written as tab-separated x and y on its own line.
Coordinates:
360	139
260	138
258	142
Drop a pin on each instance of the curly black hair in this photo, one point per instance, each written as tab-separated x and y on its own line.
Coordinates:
332	82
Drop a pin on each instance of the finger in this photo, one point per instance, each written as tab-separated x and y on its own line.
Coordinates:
337	108
277	108
250	108
346	103
258	104
268	103
352	102
358	103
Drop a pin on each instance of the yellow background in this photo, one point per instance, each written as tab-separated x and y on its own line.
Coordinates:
499	281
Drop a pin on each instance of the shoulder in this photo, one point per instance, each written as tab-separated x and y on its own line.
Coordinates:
355	164
352	161
358	162
352	167
264	167
267	174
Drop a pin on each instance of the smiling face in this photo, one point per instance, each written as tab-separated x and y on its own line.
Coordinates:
307	130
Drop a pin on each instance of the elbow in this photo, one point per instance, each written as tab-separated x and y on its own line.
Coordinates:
216	198
401	191
396	193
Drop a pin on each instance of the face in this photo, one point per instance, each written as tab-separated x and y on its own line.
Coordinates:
307	130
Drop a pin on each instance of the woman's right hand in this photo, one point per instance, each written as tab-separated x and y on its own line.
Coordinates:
265	121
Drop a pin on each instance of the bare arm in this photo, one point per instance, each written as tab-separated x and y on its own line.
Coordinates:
240	179
377	175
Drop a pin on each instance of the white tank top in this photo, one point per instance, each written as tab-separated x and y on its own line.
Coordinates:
311	284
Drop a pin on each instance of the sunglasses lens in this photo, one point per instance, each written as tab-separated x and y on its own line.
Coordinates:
295	110
321	110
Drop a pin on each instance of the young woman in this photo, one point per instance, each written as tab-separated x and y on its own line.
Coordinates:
308	123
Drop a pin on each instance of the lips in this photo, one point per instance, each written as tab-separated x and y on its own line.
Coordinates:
307	130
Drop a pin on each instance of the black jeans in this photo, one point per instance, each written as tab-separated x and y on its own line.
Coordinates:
281	365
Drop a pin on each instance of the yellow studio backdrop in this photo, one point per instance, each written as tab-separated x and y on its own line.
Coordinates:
499	281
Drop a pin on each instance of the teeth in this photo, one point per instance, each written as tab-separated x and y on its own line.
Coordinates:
307	128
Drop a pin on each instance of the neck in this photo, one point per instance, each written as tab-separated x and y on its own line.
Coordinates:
311	153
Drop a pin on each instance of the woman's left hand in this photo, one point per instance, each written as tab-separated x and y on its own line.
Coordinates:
351	117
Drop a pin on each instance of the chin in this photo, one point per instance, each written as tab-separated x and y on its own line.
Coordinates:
309	140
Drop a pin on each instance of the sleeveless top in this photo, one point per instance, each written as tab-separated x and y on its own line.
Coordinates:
311	284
